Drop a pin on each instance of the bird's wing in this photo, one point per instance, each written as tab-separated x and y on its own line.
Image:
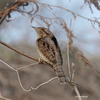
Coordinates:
49	50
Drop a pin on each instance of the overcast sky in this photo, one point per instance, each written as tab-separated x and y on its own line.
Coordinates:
87	36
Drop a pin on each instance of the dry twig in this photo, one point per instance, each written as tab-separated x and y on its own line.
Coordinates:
43	62
32	88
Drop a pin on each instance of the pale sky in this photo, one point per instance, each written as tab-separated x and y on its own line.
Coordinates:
86	35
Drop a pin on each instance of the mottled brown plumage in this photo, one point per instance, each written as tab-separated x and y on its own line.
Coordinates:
49	51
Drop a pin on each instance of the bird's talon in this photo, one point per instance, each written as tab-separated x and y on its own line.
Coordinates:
40	61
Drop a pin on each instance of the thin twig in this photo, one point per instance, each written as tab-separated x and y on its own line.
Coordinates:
44	4
6	12
43	62
2	18
77	92
3	98
8	66
18	51
71	75
68	51
73	72
26	66
45	83
73	84
20	2
32	88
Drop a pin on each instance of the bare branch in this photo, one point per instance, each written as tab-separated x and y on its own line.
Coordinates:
68	51
43	62
73	72
3	98
17	51
15	69
26	66
77	92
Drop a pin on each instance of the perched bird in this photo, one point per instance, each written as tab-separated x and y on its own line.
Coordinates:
49	51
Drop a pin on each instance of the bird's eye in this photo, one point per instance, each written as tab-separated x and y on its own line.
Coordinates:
44	30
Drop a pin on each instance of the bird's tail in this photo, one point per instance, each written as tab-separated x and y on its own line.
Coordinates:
60	73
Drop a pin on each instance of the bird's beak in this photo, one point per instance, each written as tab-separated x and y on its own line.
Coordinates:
34	27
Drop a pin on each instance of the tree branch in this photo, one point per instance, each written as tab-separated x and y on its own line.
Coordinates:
43	62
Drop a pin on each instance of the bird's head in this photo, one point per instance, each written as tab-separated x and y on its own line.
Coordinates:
43	32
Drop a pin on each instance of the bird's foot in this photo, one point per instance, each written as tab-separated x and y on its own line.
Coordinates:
39	61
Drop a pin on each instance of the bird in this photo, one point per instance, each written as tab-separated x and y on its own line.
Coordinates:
49	51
